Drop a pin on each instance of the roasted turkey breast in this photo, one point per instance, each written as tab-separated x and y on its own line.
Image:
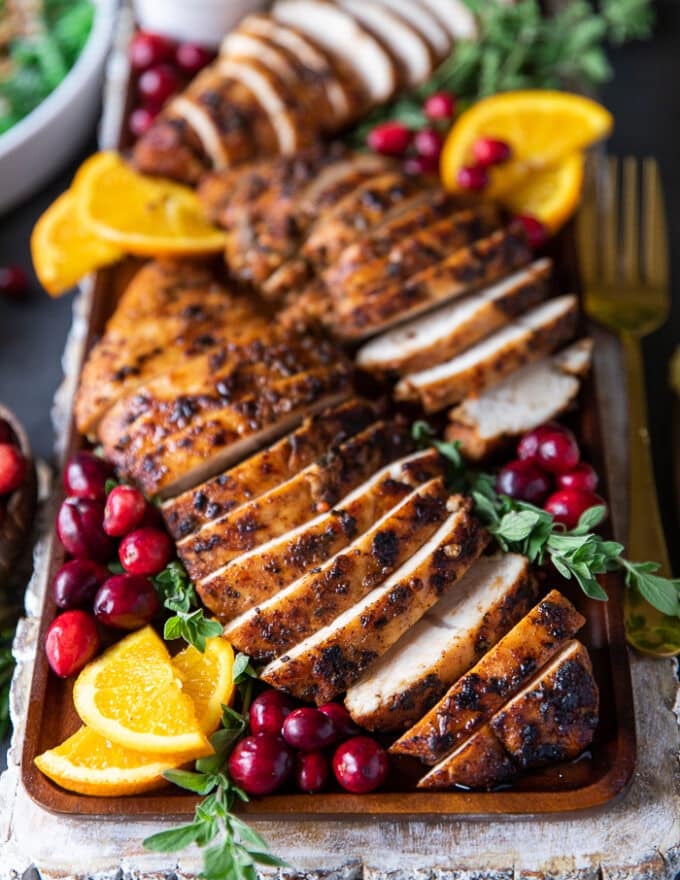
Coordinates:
500	674
326	663
414	673
316	488
552	719
317	598
188	512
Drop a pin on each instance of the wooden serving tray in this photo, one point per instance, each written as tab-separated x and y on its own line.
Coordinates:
594	779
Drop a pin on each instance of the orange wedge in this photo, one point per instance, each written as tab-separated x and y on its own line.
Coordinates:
146	216
208	679
133	696
91	764
541	127
63	250
551	195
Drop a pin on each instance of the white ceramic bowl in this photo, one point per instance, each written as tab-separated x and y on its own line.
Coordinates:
197	21
35	148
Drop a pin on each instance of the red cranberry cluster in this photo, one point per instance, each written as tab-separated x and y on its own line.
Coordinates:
164	67
420	149
549	473
301	743
13	465
89	524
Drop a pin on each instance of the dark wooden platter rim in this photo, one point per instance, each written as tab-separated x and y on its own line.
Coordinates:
587	783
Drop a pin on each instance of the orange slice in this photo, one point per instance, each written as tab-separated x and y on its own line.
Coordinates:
208	679
551	195
541	128
146	216
90	764
63	250
133	696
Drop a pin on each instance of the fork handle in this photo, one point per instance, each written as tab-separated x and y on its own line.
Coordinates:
646	540
647	629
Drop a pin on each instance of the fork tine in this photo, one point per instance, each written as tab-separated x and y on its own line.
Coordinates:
608	220
630	234
655	258
586	228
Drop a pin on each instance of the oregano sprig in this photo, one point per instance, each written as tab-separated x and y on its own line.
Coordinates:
520	527
178	595
232	849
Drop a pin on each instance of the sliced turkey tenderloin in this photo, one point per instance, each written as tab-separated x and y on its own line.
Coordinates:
416	671
523	401
328	662
445	332
529	337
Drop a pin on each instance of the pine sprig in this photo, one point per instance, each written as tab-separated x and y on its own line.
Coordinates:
178	595
520	527
232	849
519	47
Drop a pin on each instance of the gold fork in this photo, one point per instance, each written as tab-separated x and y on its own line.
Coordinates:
623	255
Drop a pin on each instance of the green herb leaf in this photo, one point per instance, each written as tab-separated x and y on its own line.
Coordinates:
172	840
662	593
189	622
199	783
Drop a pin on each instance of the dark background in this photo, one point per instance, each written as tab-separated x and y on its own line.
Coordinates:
645	102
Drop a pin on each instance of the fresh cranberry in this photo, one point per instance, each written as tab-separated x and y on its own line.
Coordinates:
124	511
157	84
568	505
308	729
441	105
191	58
524	481
420	165
145	551
72	641
390	138
428	143
583	476
537	232
311	771
360	765
6	433
85	476
261	763
126	601
141	119
13	282
147	49
77	582
268	711
80	530
552	447
13	467
489	151
472	177
341	718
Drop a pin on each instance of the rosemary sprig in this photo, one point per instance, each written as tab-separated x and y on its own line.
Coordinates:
232	848
520	527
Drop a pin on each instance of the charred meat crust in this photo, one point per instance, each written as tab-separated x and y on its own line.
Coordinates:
554	720
482	262
404	708
249	580
188	512
314	601
314	490
329	668
502	672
